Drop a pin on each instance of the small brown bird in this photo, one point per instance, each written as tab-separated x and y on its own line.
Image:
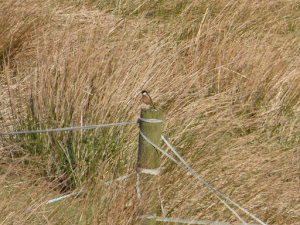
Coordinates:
147	99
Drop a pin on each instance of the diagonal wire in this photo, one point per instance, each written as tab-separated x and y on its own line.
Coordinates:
79	192
65	196
208	185
191	172
119	178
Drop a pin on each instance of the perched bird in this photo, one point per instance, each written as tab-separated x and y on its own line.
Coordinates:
147	99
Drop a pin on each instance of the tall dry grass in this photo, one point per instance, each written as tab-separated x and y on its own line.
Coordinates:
226	75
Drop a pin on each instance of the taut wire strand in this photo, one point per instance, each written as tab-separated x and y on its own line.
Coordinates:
68	128
186	169
208	185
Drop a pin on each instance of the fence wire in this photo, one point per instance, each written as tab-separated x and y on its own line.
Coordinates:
191	171
68	128
185	166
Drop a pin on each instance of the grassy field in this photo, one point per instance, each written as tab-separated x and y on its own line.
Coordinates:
225	73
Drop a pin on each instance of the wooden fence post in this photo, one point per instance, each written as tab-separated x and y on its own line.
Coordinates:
148	158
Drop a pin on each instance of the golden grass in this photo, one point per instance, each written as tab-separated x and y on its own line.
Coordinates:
226	75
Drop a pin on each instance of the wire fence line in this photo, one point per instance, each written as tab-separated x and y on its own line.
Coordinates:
185	166
187	170
79	192
191	171
63	197
215	191
144	171
218	193
150	120
69	128
189	221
